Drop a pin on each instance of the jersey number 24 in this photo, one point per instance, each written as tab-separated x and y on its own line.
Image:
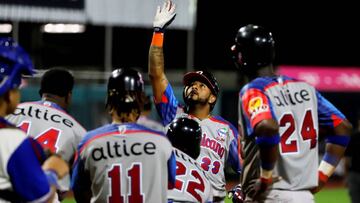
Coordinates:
307	132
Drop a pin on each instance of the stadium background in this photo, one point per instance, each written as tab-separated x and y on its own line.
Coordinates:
118	33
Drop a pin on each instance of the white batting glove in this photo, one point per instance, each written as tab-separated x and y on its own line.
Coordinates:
164	16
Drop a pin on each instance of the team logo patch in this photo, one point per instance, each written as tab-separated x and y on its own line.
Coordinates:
256	106
222	132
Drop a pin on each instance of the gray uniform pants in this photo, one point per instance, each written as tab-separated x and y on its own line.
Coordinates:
286	196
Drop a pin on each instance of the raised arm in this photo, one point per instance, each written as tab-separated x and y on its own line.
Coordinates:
164	16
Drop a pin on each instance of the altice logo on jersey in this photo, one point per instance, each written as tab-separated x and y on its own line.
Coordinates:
256	106
43	115
291	98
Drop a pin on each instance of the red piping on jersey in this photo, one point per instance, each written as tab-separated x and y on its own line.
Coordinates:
164	99
336	120
116	132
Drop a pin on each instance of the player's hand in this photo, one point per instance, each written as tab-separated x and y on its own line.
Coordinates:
57	164
164	16
259	186
236	194
321	184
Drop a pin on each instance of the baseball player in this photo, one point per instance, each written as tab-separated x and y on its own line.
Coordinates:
192	184
219	143
22	178
124	161
281	118
48	121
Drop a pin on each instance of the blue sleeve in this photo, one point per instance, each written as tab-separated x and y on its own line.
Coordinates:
80	182
329	115
26	176
168	106
171	171
234	154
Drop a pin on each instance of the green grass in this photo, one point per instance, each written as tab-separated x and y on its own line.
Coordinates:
337	195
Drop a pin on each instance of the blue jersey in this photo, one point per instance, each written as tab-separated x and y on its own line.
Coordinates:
300	111
20	169
219	144
124	163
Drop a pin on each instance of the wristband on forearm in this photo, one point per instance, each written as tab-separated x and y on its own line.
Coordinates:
328	166
325	171
157	39
342	140
52	177
266	175
267	141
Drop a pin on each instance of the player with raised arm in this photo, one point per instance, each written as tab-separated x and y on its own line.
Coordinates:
47	120
219	143
281	118
124	161
22	178
192	184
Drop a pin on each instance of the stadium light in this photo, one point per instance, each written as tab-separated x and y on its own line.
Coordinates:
63	28
5	28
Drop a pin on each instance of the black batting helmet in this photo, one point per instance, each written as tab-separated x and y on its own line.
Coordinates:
254	48
125	90
202	76
185	134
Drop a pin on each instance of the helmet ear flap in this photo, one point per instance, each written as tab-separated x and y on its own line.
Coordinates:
236	56
186	87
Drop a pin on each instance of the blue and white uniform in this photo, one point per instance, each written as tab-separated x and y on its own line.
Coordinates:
124	163
20	168
300	111
219	144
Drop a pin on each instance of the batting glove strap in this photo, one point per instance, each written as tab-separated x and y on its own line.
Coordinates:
164	16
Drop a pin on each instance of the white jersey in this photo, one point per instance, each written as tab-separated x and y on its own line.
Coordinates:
20	168
192	184
219	143
52	127
300	110
124	163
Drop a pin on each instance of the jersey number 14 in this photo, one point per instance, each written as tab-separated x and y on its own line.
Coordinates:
47	139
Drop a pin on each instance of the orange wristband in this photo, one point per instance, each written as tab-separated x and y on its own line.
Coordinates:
157	39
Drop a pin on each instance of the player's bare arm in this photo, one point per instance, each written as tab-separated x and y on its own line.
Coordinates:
163	17
157	75
267	133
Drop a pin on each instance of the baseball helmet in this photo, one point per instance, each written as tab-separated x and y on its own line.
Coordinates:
185	134
254	48
202	76
14	62
125	89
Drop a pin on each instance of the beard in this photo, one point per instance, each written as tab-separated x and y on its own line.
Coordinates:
193	98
